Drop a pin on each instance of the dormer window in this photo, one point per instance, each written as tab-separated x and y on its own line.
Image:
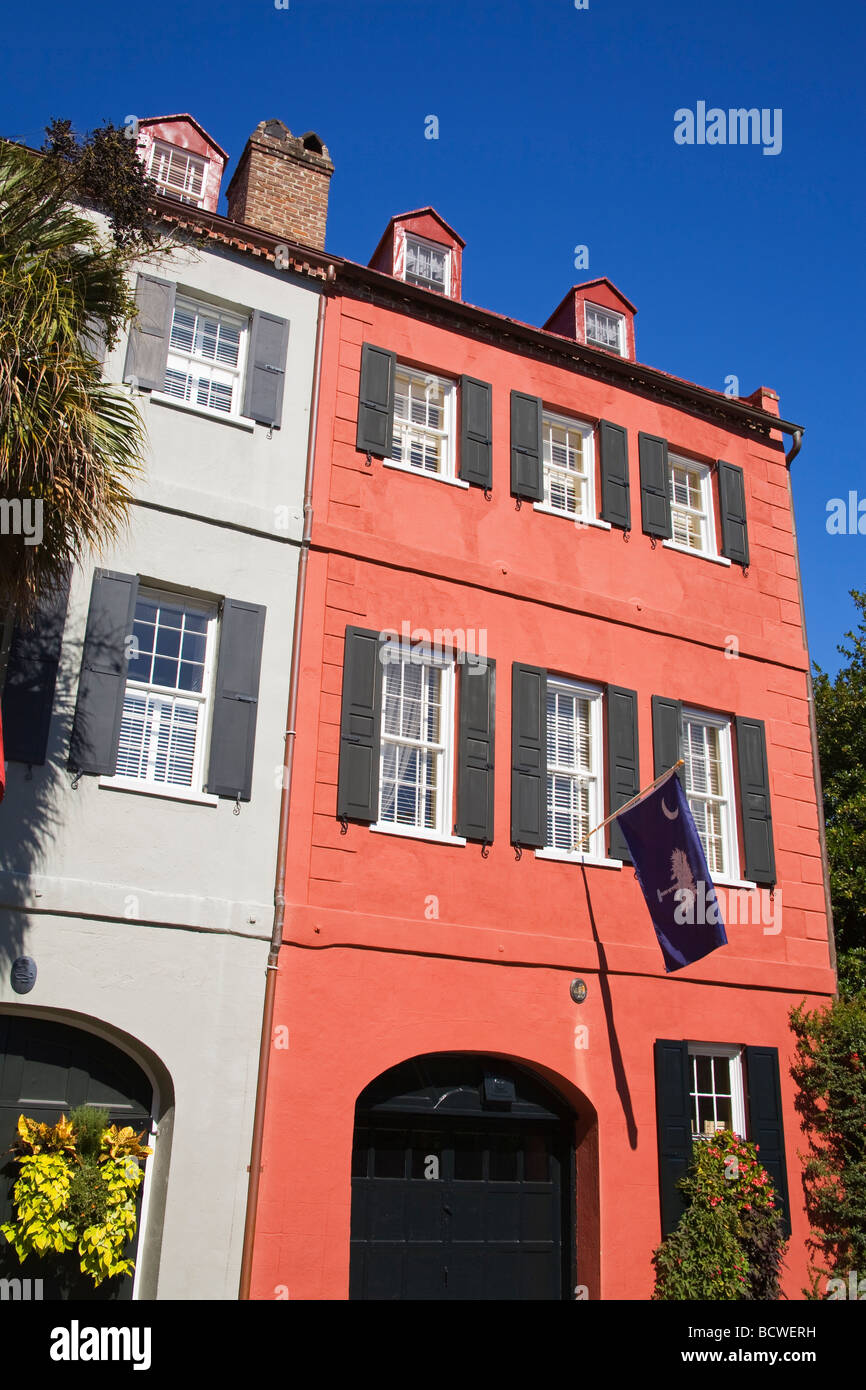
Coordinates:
428	265
177	173
605	329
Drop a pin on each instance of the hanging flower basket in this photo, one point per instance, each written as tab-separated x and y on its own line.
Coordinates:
76	1191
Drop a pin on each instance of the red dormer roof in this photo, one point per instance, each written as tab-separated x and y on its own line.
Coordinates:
568	318
425	223
184	116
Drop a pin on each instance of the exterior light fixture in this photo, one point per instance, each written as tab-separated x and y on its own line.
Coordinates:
577	990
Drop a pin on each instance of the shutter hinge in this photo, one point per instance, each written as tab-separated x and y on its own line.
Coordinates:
518	853
485	849
626	535
236	810
488	494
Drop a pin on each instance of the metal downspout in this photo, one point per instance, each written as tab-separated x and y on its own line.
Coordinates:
283	836
813	726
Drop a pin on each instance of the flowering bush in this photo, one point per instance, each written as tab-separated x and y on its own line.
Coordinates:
728	1243
76	1187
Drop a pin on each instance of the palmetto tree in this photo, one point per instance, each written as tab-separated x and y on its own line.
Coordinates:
68	441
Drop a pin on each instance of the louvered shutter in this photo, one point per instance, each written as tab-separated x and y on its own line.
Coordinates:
376	401
615	498
528	755
475	752
147	349
654	494
476	437
102	682
266	369
236	700
732	506
31	677
760	857
766	1128
667	734
622	761
360	726
674	1126
527	476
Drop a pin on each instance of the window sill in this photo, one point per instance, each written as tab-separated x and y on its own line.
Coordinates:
700	554
240	422
162	790
590	860
720	881
417	473
575	520
410	833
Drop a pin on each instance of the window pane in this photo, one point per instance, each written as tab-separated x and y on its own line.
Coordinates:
389	1155
468	1157
536	1163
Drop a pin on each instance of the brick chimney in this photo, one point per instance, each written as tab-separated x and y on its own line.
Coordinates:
281	184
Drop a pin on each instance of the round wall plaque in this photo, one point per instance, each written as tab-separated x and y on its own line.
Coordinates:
23	974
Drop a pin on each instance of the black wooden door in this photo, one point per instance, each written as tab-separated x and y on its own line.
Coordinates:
46	1069
461	1206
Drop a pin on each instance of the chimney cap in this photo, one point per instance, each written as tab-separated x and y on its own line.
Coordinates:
309	142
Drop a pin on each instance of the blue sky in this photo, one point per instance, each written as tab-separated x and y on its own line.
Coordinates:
555	130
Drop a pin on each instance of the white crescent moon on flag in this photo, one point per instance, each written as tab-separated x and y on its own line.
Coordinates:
671	815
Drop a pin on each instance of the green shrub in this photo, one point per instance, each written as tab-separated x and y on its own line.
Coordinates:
729	1242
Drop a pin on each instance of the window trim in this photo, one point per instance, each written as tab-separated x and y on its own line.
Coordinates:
730	837
201	305
709	549
442	833
597	854
733	1053
622	349
590	516
171	790
161	147
448	433
436	246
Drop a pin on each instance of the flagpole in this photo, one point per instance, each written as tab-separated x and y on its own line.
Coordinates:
589	834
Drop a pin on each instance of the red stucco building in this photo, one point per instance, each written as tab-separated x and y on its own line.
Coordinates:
539	573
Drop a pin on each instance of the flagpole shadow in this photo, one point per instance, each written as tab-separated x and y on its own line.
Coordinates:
615	1052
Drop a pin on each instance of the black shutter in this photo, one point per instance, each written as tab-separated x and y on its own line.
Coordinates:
376	401
732	506
147	350
673	1118
667	734
527	478
475	751
360	726
765	1120
615	499
623	767
31	675
528	755
655	504
102	682
476	433
236	700
266	369
760	858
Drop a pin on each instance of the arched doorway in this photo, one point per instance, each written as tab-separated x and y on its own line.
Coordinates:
46	1069
462	1184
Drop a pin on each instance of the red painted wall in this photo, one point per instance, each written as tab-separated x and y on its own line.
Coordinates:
368	975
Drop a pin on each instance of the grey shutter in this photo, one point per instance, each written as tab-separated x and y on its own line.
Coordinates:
732	505
102	682
266	369
376	401
760	857
476	436
31	676
667	734
655	501
360	726
674	1125
528	755
147	349
475	752
236	700
766	1128
623	764
615	499
527	476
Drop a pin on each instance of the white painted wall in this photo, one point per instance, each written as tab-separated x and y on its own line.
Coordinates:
149	914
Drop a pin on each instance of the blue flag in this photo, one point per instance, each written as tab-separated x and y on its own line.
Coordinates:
672	871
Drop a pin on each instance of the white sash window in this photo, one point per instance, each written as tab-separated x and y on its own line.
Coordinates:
417	743
205	357
575	787
423	423
177	173
709	787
